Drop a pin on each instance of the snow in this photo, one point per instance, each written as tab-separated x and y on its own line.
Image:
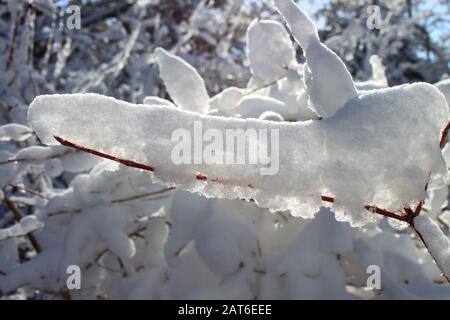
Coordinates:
14	131
271	116
327	80
184	84
254	106
353	156
444	87
436	242
270	51
119	243
54	168
8	170
378	80
158	101
136	239
43	264
26	225
227	100
69	160
222	241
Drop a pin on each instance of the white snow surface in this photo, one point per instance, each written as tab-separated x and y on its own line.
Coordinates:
26	225
327	79
444	87
378	80
436	241
158	101
184	84
270	51
380	148
137	240
15	132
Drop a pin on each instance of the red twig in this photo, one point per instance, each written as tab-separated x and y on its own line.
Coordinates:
444	135
375	209
201	177
129	163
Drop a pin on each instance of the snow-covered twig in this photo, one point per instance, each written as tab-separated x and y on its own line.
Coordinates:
27	190
435	241
161	193
24	227
18	217
53	156
131	163
409	217
128	163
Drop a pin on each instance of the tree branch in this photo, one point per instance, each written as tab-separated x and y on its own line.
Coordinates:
131	163
159	193
424	241
407	215
18	216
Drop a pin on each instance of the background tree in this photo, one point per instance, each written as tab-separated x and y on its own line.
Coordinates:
412	41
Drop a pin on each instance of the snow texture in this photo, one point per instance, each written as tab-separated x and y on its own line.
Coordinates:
15	132
26	225
134	239
364	154
436	241
254	106
158	101
444	87
184	84
327	80
378	80
270	51
227	100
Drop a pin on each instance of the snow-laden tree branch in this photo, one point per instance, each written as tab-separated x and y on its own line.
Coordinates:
375	151
353	156
89	199
436	242
363	155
